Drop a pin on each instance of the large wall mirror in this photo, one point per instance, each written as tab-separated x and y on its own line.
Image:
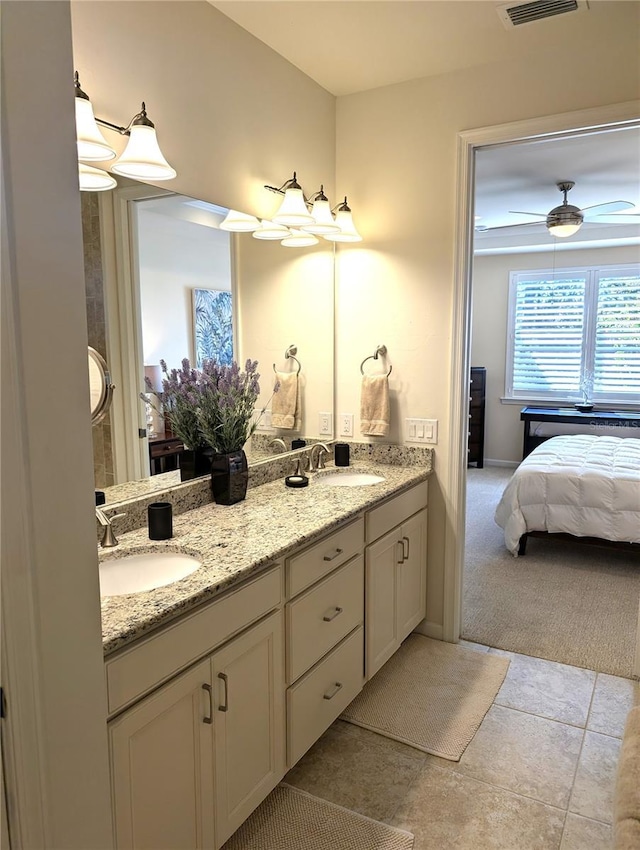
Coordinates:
151	258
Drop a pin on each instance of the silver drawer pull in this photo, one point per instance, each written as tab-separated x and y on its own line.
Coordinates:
334	690
329	617
208	719
334	556
224	678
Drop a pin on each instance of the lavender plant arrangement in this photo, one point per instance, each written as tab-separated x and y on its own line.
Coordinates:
212	412
226	420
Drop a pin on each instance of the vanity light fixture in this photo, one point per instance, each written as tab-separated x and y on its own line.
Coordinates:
239	222
271	231
299	239
142	158
347	232
94	179
313	215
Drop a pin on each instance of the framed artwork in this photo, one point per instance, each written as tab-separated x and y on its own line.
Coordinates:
213	326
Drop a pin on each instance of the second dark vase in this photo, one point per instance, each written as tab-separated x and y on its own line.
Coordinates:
229	477
195	464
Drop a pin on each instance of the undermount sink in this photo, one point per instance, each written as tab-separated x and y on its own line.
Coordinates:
349	479
144	571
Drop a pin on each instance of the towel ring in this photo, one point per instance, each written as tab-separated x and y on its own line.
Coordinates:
290	354
381	351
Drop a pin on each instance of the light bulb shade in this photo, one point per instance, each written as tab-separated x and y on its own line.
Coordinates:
142	158
269	230
298	239
239	222
154	375
94	179
323	221
347	232
293	211
92	145
564	220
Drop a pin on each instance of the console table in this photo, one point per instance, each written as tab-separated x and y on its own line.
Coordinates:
164	453
598	419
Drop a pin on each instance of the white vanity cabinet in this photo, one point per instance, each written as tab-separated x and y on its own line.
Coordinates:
193	759
324	634
396	574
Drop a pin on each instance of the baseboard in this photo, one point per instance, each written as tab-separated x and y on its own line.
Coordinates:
432	630
510	463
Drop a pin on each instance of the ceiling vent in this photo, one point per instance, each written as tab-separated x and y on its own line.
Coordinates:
516	14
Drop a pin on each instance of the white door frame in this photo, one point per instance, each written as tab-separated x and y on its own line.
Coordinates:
570	123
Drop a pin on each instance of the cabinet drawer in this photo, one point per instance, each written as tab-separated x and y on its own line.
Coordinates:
395	511
322	616
166	448
318	698
160	656
307	567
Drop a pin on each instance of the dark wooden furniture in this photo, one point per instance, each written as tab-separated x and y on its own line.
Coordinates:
477	394
164	453
602	421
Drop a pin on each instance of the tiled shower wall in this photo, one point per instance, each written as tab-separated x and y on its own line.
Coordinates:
96	326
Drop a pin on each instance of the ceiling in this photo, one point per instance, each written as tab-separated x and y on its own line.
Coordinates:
349	46
358	45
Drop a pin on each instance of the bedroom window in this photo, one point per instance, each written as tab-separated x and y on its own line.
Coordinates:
574	331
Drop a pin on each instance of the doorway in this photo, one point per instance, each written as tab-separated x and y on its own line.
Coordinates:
469	143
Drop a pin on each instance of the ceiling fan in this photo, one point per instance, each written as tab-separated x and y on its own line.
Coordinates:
566	219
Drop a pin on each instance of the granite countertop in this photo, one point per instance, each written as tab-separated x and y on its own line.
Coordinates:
235	541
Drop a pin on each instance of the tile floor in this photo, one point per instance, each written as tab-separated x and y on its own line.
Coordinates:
538	775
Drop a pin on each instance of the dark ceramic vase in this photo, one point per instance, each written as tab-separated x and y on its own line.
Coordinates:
195	463
229	477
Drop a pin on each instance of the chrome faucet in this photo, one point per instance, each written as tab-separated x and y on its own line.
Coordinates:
108	537
277	441
323	449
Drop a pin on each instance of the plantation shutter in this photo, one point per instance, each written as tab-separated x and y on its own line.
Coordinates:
616	362
547	333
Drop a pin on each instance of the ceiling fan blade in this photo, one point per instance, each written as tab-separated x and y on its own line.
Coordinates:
481	229
520	212
616	218
605	209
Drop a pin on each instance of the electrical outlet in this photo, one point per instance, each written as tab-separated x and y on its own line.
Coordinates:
325	424
346	424
266	419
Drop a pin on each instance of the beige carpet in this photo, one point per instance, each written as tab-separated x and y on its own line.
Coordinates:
431	695
290	819
562	601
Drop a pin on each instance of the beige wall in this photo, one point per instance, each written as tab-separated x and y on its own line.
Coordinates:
490	291
397	153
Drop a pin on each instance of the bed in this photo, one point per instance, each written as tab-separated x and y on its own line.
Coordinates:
579	485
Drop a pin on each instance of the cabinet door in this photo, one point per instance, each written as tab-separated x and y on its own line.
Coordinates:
248	681
411	591
162	768
382	561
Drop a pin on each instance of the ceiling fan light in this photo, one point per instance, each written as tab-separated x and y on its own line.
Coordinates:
239	222
270	231
564	220
142	158
94	179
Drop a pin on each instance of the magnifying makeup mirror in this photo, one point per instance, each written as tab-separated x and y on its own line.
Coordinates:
100	386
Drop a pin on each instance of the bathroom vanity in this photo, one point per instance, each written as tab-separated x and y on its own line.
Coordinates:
219	683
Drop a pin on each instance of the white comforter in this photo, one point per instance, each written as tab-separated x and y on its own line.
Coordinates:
583	485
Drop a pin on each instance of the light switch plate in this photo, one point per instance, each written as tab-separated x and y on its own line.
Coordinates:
421	431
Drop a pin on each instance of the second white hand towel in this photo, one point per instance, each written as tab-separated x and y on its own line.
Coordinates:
285	407
374	405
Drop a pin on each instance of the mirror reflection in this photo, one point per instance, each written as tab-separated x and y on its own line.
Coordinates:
164	282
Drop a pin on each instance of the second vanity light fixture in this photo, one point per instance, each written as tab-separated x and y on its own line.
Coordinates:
299	220
142	158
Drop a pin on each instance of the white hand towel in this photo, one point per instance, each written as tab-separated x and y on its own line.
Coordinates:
374	405
285	407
